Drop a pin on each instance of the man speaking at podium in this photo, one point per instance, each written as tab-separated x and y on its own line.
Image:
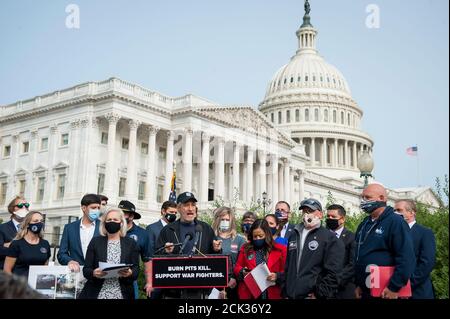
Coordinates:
187	236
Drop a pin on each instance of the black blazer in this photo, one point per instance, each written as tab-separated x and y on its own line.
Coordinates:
7	232
347	286
425	250
96	252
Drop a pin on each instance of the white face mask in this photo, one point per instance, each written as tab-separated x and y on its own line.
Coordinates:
311	220
224	225
21	213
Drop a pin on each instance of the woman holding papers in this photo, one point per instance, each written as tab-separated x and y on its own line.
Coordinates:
263	253
112	247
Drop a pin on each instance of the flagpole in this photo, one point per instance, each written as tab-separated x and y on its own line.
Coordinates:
418	167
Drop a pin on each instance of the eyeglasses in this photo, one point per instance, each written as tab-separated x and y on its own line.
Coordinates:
22	205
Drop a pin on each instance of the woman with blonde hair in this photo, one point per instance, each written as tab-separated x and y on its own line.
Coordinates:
28	247
224	227
113	247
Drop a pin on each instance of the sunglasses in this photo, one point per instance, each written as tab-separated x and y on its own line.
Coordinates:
22	205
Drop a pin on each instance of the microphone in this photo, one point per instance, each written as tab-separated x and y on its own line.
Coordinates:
198	231
161	248
187	238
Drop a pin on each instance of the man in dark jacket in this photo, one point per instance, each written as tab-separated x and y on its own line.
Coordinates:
336	222
185	231
382	239
424	249
315	257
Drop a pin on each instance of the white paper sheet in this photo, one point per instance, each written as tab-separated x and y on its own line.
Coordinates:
260	274
214	294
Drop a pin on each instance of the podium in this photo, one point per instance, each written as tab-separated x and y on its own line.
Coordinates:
182	272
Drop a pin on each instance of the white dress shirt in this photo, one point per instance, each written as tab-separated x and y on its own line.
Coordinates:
284	230
16	223
86	234
163	222
411	224
339	232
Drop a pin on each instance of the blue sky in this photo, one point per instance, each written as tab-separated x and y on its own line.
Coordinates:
227	51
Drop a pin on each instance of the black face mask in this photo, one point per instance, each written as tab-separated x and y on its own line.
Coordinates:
171	217
332	224
112	227
35	228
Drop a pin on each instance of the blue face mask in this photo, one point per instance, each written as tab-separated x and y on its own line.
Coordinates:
246	227
273	230
370	206
259	243
94	214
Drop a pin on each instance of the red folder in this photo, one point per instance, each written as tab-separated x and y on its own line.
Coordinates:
379	279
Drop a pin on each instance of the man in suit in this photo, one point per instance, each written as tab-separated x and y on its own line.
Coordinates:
336	223
283	213
18	208
168	215
424	248
78	234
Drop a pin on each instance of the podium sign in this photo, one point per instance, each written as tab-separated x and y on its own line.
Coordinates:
190	272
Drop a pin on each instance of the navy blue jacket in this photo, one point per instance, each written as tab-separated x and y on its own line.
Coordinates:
141	237
70	246
425	250
153	230
384	242
7	232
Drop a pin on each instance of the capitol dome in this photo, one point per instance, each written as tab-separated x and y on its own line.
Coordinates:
310	100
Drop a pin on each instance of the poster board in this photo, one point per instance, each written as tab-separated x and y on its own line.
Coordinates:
56	282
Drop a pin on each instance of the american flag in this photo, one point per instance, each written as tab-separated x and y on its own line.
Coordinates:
173	188
412	151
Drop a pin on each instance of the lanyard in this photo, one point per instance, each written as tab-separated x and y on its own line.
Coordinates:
365	236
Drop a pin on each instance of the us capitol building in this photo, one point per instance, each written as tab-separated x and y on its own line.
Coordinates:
122	140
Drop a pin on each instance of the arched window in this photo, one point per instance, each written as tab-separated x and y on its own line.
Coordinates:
334	116
297	115
348	119
288	116
272	117
316	115
279	117
342	118
307	115
325	114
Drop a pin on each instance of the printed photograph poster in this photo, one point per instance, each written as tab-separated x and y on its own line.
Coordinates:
56	282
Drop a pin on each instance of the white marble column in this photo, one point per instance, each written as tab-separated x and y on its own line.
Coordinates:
220	168
236	168
355	156
262	171
335	153
281	182
274	173
204	168
152	167
131	186
287	180
187	160
32	182
293	197
169	165
51	180
73	160
312	152
301	185
324	153
111	171
347	154
11	190
250	154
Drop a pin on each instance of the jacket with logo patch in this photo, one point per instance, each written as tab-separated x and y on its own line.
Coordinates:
316	268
